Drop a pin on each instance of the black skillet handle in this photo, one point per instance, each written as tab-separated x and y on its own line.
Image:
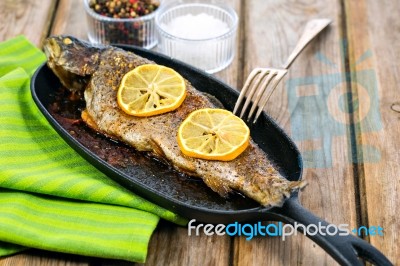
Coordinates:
345	249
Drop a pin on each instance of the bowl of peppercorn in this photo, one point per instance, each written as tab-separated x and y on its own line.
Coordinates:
122	22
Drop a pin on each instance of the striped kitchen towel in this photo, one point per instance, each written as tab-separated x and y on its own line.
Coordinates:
51	198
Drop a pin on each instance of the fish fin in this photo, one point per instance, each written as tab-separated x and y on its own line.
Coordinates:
217	186
157	150
297	185
272	191
89	120
281	190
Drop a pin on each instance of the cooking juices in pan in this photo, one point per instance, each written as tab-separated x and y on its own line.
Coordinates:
67	109
185	195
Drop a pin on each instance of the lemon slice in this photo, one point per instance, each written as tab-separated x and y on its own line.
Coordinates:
151	90
213	134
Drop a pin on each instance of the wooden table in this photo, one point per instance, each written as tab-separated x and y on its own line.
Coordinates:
340	102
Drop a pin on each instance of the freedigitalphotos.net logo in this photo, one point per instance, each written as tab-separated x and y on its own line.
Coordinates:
321	102
251	230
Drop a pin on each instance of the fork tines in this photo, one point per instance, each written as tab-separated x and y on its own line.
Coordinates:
256	91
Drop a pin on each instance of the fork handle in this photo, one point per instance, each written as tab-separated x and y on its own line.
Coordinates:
313	27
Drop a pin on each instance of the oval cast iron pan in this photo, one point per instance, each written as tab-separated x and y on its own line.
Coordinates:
197	202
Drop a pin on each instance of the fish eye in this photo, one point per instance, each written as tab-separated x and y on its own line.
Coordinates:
67	41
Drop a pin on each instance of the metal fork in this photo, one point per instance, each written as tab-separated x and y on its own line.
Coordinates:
261	82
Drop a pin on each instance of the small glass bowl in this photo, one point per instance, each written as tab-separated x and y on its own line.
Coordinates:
133	31
211	54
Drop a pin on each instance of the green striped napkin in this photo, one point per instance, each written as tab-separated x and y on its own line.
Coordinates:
51	198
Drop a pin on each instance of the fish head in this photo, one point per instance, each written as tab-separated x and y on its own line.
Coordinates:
72	60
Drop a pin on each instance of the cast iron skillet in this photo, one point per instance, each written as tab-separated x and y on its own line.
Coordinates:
195	201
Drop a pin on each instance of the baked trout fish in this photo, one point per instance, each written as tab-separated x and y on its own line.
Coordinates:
99	70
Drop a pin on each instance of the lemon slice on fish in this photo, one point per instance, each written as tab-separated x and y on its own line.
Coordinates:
151	90
213	134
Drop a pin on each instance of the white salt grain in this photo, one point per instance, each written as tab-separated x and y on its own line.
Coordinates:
196	27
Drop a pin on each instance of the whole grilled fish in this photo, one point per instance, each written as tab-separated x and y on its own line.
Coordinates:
99	70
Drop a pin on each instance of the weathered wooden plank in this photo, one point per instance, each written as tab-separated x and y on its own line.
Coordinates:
374	45
307	105
30	18
39	257
171	245
70	18
33	19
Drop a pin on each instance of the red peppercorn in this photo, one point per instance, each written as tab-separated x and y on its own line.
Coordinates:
119	8
130	33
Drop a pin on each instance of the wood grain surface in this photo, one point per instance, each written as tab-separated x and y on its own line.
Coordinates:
323	103
271	34
30	18
70	18
374	45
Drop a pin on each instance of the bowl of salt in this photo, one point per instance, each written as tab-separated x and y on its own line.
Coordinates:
202	34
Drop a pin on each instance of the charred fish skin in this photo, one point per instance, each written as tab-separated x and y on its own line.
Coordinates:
251	173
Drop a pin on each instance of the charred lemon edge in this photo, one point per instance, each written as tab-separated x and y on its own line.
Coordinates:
158	111
228	156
